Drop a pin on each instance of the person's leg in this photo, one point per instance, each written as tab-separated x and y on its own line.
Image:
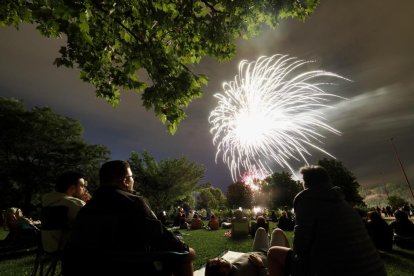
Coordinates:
277	260
186	268
279	238
261	241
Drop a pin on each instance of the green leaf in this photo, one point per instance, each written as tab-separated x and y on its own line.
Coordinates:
161	35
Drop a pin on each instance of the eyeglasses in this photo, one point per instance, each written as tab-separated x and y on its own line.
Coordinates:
129	176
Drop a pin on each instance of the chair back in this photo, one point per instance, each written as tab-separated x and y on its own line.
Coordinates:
240	229
54	217
54	233
55	228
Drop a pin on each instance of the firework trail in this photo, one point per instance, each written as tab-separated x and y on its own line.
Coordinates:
268	114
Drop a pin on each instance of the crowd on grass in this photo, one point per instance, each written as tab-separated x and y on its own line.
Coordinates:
107	232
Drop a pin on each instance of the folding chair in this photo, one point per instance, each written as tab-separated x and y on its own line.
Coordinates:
53	218
240	229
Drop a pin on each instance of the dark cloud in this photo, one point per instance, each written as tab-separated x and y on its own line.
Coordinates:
367	41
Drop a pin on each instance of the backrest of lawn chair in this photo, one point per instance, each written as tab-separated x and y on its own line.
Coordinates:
55	229
240	228
54	217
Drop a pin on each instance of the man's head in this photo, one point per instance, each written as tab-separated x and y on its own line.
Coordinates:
71	183
218	267
401	216
117	173
315	176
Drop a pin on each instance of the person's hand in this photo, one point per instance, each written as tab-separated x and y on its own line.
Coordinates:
255	260
86	196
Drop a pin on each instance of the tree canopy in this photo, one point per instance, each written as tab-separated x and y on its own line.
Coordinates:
396	202
283	189
239	195
35	147
209	197
110	41
165	182
343	178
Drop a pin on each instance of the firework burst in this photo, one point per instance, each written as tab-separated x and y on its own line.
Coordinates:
269	114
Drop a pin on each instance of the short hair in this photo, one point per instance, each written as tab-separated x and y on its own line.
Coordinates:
374	216
401	215
214	269
66	180
315	176
112	171
260	220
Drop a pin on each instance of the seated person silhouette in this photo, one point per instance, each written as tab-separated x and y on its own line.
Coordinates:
403	229
117	233
196	223
251	263
379	231
162	216
285	223
260	222
183	224
23	231
329	236
213	223
69	189
273	216
178	218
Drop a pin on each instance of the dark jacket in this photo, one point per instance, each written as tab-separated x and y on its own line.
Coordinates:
381	234
330	237
116	233
285	223
117	220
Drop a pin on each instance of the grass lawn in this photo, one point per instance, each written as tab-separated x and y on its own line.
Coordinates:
210	244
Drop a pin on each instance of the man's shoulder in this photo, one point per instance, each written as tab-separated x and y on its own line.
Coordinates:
118	196
52	196
333	194
302	194
130	196
55	198
75	200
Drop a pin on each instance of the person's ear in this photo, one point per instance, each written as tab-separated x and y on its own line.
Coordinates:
124	183
71	190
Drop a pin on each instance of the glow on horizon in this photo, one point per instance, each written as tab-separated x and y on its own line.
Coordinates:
270	114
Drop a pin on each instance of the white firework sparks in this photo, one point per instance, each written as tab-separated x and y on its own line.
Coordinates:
269	113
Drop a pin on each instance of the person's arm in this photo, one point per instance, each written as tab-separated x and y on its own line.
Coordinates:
304	227
258	264
161	237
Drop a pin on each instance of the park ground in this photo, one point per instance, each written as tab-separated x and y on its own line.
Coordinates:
209	244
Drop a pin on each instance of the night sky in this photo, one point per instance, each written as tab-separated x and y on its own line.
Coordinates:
370	42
